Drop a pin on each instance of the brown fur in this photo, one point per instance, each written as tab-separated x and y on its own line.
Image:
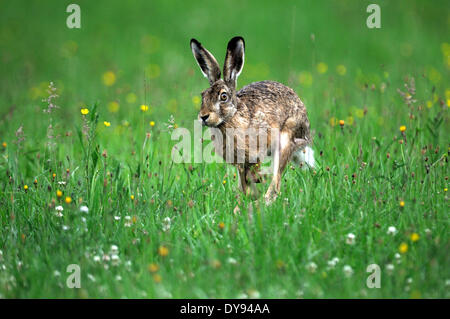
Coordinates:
262	105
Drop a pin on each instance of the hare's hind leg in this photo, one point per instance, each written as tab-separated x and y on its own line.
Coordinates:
282	154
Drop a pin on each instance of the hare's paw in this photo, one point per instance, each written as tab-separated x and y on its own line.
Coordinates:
270	196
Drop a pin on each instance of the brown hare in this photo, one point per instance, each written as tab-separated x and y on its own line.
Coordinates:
266	106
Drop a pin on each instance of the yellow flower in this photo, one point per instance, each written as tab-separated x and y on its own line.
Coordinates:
132	197
402	128
322	68
305	78
445	189
59	193
109	78
113	106
163	251
333	121
131	98
4	144
434	75
68	200
107	124
53	175
224	182
447	94
350	120
152	123
415	237
221	225
341	122
153	71
429	104
84	111
144	108
448	102
25	187
403	248
402	204
157	278
153	267
359	113
196	100
341	69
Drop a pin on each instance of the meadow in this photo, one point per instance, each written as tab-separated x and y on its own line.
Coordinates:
87	177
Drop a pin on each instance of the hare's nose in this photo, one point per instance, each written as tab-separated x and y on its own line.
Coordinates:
204	117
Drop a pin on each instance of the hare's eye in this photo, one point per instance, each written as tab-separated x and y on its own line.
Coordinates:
223	96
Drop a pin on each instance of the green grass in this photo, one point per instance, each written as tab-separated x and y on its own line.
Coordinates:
356	189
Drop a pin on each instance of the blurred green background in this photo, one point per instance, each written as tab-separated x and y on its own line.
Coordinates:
146	45
132	53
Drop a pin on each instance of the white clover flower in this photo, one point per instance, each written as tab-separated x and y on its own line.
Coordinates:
56	273
409	280
65	227
389	268
59	208
96	258
106	257
254	294
59	214
166	224
333	262
232	261
115	260
428	231
116	217
118	278
348	270
311	267
392	230
242	295
91	277
83	219
114	250
84	209
61	183
350	240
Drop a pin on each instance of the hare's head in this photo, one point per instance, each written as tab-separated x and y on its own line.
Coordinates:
219	102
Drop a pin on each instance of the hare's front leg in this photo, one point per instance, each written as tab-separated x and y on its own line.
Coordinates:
242	170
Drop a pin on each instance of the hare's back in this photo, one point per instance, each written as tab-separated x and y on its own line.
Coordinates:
275	100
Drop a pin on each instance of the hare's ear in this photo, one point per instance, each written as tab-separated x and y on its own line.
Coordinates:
234	61
206	61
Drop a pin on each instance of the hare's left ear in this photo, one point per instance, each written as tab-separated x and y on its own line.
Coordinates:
234	61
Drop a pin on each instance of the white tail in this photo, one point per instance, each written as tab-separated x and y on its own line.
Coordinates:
305	156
